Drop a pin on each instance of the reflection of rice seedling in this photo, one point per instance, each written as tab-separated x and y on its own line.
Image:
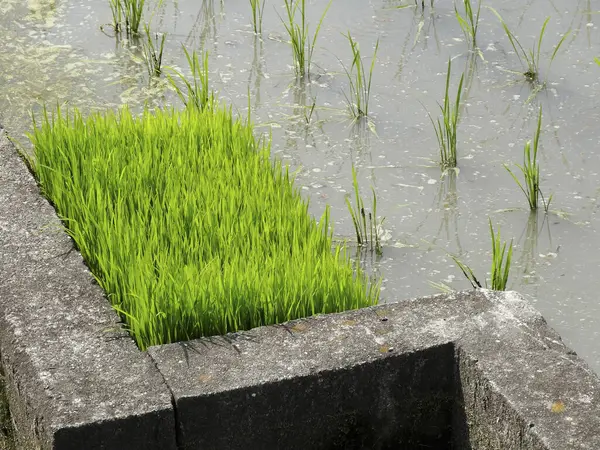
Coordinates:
445	129
153	52
469	22
257	15
530	57
531	171
360	84
188	225
501	260
302	45
365	237
197	93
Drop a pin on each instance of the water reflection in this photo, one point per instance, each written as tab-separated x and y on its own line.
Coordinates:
447	204
256	71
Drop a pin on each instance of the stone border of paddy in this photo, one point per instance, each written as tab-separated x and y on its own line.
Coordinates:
476	369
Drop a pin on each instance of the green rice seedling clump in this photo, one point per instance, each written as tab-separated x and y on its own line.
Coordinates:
531	171
501	262
530	58
359	83
257	8
188	225
296	27
128	11
153	49
469	22
366	237
446	128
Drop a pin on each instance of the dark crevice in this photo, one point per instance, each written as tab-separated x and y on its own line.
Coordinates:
178	444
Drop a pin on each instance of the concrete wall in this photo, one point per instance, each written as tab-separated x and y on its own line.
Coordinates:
478	369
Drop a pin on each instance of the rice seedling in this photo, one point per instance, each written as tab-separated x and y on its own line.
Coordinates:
501	262
446	128
132	12
188	225
303	46
367	237
257	15
597	60
116	9
127	15
469	22
195	93
359	82
530	58
531	171
153	52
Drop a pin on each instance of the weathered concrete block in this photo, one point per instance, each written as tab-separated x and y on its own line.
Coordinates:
75	380
474	370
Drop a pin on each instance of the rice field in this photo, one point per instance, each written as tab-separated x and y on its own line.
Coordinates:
58	53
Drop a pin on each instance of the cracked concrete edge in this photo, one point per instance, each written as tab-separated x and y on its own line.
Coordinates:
74	378
548	393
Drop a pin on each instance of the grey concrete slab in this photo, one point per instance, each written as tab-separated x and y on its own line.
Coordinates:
515	385
75	380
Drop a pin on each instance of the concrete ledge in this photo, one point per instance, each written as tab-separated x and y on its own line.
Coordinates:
474	370
479	370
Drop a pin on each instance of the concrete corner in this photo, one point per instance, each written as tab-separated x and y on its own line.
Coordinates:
74	379
475	370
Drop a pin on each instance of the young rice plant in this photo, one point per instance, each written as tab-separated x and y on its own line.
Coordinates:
188	225
302	45
530	58
367	237
359	82
445	129
195	93
153	51
257	8
128	11
469	22
531	171
501	261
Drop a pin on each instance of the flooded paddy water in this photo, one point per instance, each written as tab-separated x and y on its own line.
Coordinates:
62	51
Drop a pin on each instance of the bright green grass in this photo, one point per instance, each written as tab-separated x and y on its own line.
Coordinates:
188	225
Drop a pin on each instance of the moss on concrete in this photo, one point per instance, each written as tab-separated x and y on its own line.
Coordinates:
6	432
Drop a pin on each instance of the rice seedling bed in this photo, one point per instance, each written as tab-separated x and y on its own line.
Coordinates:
187	224
59	54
